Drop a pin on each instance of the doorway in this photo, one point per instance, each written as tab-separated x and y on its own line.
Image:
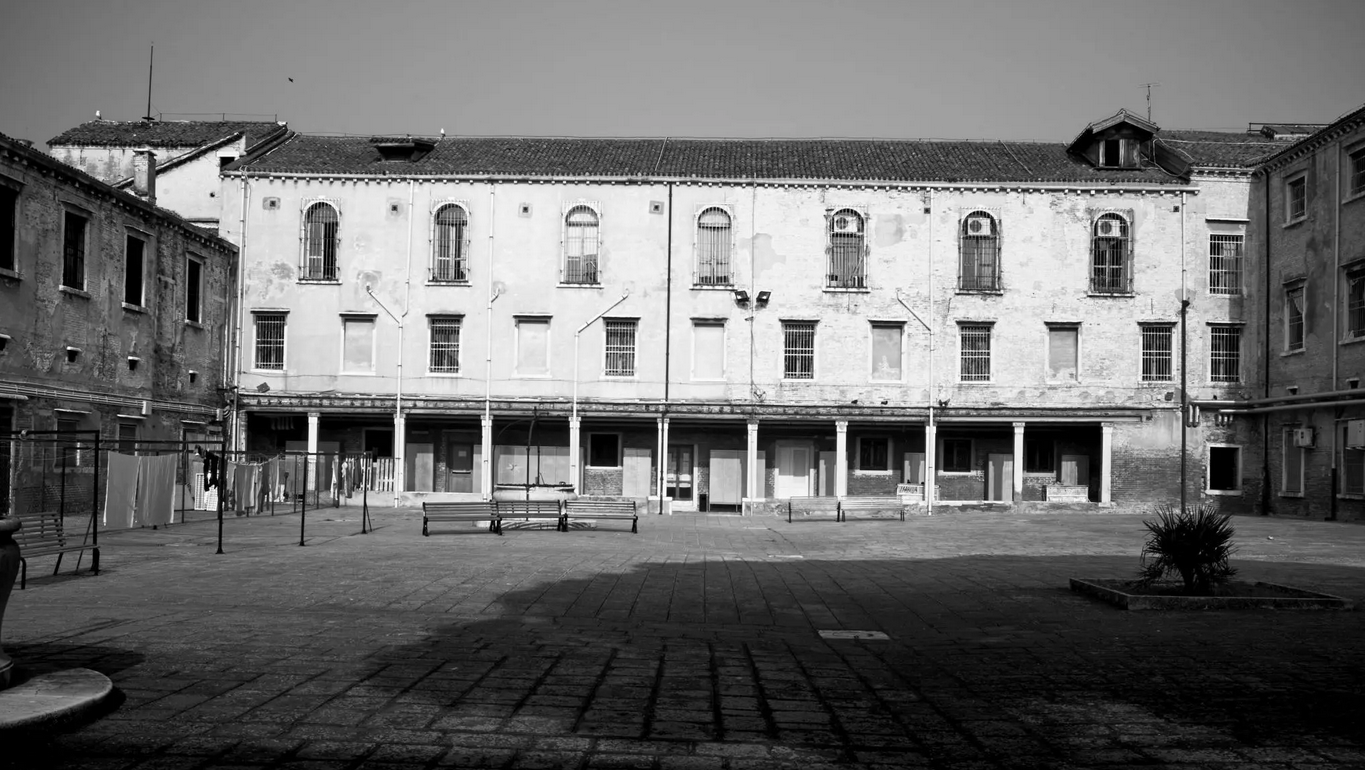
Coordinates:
460	466
1000	477
793	471
678	481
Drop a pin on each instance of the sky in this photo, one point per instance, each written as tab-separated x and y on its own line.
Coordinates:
1032	70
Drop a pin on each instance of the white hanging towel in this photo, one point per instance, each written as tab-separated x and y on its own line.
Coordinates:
120	493
156	490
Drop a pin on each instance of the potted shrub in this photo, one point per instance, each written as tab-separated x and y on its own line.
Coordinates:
1194	544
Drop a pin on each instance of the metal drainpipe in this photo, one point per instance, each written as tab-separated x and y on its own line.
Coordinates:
668	298
1265	355
928	496
1336	329
488	348
239	312
401	441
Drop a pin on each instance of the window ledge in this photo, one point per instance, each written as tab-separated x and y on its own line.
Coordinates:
986	292
798	379
449	283
73	291
11	274
1295	495
449	375
268	371
564	285
1353	340
1349	496
619	377
320	281
860	472
1289	353
1224	294
727	287
194	324
1112	294
955	473
1295	222
1224	492
846	290
1358	195
1223	383
134	308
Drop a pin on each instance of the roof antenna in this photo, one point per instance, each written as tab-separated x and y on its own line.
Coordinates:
1148	86
151	57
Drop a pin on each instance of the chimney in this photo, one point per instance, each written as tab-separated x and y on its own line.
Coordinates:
144	175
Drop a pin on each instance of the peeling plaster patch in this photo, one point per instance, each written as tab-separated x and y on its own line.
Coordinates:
764	255
889	230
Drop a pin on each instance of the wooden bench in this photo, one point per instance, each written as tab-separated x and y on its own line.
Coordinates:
812	504
533	509
461	510
44	534
847	504
601	509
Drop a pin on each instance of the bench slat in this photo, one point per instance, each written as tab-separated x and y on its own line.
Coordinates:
602	509
44	534
461	510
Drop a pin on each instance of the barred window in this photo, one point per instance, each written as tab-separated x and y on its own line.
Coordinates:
450	253
798	350
580	245
979	266
1225	263
1157	349
1293	318
620	347
847	263
73	250
713	248
1357	183
320	239
445	344
270	341
1225	353
976	352
1355	305
1295	199
1110	251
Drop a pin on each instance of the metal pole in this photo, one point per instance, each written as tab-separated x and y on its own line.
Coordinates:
222	484
1184	405
94	513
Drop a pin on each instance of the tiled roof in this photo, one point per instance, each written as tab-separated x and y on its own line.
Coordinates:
159	133
1218	149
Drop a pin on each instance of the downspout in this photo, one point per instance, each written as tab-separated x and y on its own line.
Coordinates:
1265	355
1184	358
928	496
401	441
1336	329
239	313
493	293
668	301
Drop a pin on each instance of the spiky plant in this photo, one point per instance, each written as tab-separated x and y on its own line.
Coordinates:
1194	544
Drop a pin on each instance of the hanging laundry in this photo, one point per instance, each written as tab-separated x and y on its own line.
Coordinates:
211	463
155	489
120	494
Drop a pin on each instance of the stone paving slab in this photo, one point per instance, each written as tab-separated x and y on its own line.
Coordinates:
692	644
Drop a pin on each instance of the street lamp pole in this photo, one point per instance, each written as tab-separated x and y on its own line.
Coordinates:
1184	403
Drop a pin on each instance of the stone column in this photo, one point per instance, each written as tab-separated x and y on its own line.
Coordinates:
840	458
1018	462
9	568
400	454
930	461
486	457
576	453
1106	450
753	487
310	473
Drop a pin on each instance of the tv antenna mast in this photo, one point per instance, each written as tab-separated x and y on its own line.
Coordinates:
1148	86
151	57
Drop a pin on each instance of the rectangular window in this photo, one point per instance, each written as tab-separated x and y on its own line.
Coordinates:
798	350
847	250
1292	476
1295	199
69	447
1357	179
976	352
874	454
1225	470
1225	263
73	250
445	345
1293	318
127	436
604	450
194	290
713	247
1352	463
1063	353
357	345
533	347
270	341
620	347
1225	353
957	455
708	350
1157	349
886	352
9	217
1038	456
134	265
1355	305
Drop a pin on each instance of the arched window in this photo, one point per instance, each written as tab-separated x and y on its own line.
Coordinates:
320	226
1110	256
713	248
979	267
450	261
580	245
847	266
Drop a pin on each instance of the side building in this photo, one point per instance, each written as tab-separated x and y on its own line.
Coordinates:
716	321
114	313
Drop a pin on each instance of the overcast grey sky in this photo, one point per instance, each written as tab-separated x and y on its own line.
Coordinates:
972	69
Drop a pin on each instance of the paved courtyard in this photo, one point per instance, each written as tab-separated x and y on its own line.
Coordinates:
694	644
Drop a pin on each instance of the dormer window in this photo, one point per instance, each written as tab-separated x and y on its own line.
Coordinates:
1111	153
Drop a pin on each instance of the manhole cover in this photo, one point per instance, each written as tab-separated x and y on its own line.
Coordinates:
844	634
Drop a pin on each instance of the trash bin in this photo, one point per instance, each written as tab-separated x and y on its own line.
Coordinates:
703	504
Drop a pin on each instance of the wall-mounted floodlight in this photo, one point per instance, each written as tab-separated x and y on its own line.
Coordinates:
762	298
741	296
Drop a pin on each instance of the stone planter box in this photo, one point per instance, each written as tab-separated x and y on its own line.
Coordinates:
1058	493
1278	597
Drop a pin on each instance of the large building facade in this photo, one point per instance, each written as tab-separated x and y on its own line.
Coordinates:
716	321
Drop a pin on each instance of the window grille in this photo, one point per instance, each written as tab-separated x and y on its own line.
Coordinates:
9	208
1109	256
73	251
979	267
1355	305
976	353
270	341
1157	348
1358	172
320	240
620	348
713	248
847	255
798	350
450	260
1293	318
1225	264
1296	199
580	245
1225	353
194	285
133	255
445	345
